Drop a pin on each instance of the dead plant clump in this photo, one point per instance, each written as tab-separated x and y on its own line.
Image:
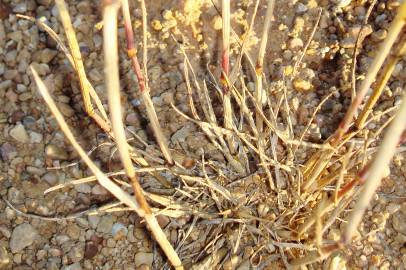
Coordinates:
265	198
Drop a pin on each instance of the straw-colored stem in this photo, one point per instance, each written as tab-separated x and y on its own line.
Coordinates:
343	172
142	82
377	169
101	177
79	68
318	168
112	83
237	67
309	41
102	120
382	81
259	92
345	190
381	55
225	61
156	127
358	44
113	91
113	87
225	66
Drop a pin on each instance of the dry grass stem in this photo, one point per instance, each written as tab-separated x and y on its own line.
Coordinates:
376	170
225	66
358	44
306	47
393	32
260	93
382	80
113	88
101	177
257	180
79	68
142	81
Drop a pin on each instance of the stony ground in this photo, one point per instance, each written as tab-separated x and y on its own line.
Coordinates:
35	154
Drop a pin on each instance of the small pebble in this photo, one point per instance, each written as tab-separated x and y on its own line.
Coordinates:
105	224
5	231
143	258
343	3
119	230
45	3
91	250
4	258
83	188
302	85
23	236
7	151
379	35
295	43
54	152
51	178
5	10
99	190
47	55
84	7
35	137
77	252
65	109
20	8
41	254
19	133
301	8
399	224
93	221
180	135
95	75
74	266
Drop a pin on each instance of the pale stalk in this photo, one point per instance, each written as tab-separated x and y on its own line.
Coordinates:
86	90
382	81
259	92
377	169
225	65
394	30
142	82
113	88
101	177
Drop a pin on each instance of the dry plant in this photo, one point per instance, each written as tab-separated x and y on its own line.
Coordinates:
280	207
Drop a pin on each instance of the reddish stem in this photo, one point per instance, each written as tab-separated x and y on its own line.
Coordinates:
132	53
226	67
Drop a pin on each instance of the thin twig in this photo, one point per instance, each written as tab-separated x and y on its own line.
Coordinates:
382	80
395	28
79	67
225	66
358	43
142	82
113	86
298	62
377	168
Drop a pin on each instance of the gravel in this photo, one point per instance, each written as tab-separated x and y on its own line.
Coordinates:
31	142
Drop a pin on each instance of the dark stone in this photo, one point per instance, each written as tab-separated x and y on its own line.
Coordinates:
91	250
